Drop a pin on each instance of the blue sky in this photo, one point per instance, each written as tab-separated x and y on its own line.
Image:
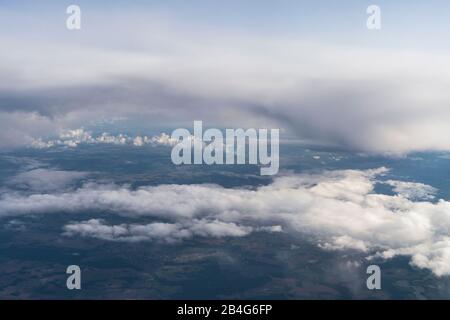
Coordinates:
414	24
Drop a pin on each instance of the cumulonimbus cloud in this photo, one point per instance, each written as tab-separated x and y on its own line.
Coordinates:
371	99
338	209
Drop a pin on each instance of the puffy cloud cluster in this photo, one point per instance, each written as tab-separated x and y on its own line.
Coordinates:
338	209
72	138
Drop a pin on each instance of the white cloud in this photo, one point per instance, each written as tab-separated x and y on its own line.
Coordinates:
339	209
433	255
344	243
164	139
77	134
111	139
413	190
166	232
44	180
73	138
138	141
68	138
271	229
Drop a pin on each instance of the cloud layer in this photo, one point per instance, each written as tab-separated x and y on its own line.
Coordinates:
339	210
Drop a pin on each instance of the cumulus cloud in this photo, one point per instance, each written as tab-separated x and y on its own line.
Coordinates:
338	209
344	243
164	139
165	232
75	137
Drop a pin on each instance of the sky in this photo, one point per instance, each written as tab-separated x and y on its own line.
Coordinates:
311	68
